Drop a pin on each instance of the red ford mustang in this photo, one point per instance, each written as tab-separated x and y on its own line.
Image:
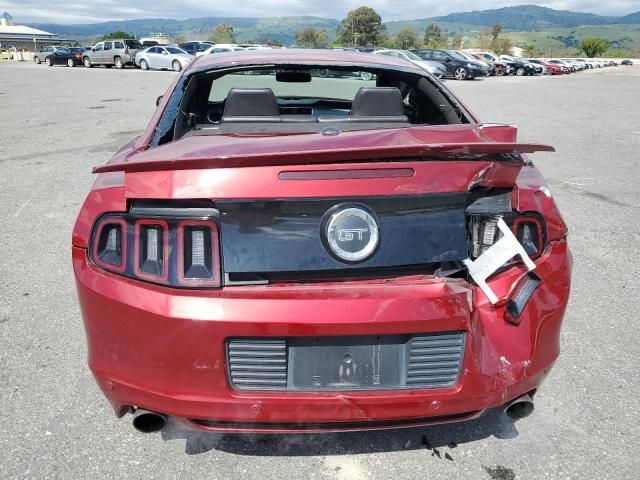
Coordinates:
286	251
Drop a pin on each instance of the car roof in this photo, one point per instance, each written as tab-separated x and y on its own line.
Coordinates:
287	56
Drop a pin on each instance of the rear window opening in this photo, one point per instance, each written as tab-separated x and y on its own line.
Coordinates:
307	99
135	44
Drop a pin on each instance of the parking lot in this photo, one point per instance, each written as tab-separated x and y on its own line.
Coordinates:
57	123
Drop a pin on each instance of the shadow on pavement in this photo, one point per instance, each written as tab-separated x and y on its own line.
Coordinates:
492	423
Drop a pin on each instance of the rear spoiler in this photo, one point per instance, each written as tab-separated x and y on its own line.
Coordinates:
330	155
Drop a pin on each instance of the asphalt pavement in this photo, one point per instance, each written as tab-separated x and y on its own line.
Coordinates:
56	123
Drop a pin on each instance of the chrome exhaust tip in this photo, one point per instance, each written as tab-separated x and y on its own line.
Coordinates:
519	408
148	422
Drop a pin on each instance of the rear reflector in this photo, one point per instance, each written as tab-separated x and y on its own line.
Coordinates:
521	296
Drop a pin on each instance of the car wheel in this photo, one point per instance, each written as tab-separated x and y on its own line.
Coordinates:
366	76
460	73
118	63
176	66
144	65
38	61
47	61
87	62
324	73
71	63
520	71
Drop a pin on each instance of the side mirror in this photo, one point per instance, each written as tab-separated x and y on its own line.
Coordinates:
93	49
164	52
158	100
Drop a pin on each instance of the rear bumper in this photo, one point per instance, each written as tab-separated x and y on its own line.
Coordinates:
164	350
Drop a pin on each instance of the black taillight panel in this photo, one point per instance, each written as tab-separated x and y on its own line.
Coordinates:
171	250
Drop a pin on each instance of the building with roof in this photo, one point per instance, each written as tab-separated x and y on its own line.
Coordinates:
20	37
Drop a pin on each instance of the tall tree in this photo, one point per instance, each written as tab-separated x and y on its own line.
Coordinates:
116	35
311	38
496	30
361	27
433	37
406	38
592	47
223	33
502	46
456	42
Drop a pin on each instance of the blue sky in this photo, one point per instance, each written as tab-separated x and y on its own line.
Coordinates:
89	11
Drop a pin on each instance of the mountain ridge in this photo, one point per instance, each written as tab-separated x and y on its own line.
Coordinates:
521	18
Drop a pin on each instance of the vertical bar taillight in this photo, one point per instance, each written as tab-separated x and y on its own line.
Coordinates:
110	245
151	257
198	254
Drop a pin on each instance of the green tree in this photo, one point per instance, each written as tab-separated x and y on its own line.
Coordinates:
180	38
433	37
456	42
311	38
530	50
592	47
270	42
406	38
362	26
496	30
502	46
117	34
223	33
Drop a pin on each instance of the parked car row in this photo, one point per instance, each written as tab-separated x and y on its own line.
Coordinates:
442	63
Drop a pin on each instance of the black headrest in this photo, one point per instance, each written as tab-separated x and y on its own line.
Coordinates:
377	101
250	102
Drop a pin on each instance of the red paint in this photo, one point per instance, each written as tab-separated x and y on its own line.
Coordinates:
163	348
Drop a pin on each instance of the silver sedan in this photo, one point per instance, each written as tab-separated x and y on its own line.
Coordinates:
163	58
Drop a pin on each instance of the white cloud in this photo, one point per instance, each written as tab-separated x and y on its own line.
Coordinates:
72	11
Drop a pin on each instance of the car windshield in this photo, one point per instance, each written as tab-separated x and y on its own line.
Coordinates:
466	55
77	49
456	55
176	51
135	44
322	84
411	55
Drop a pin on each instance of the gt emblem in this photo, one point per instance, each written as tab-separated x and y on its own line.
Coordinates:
348	234
351	233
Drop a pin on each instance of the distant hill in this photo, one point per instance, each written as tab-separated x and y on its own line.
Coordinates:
531	20
632	18
247	28
527	17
